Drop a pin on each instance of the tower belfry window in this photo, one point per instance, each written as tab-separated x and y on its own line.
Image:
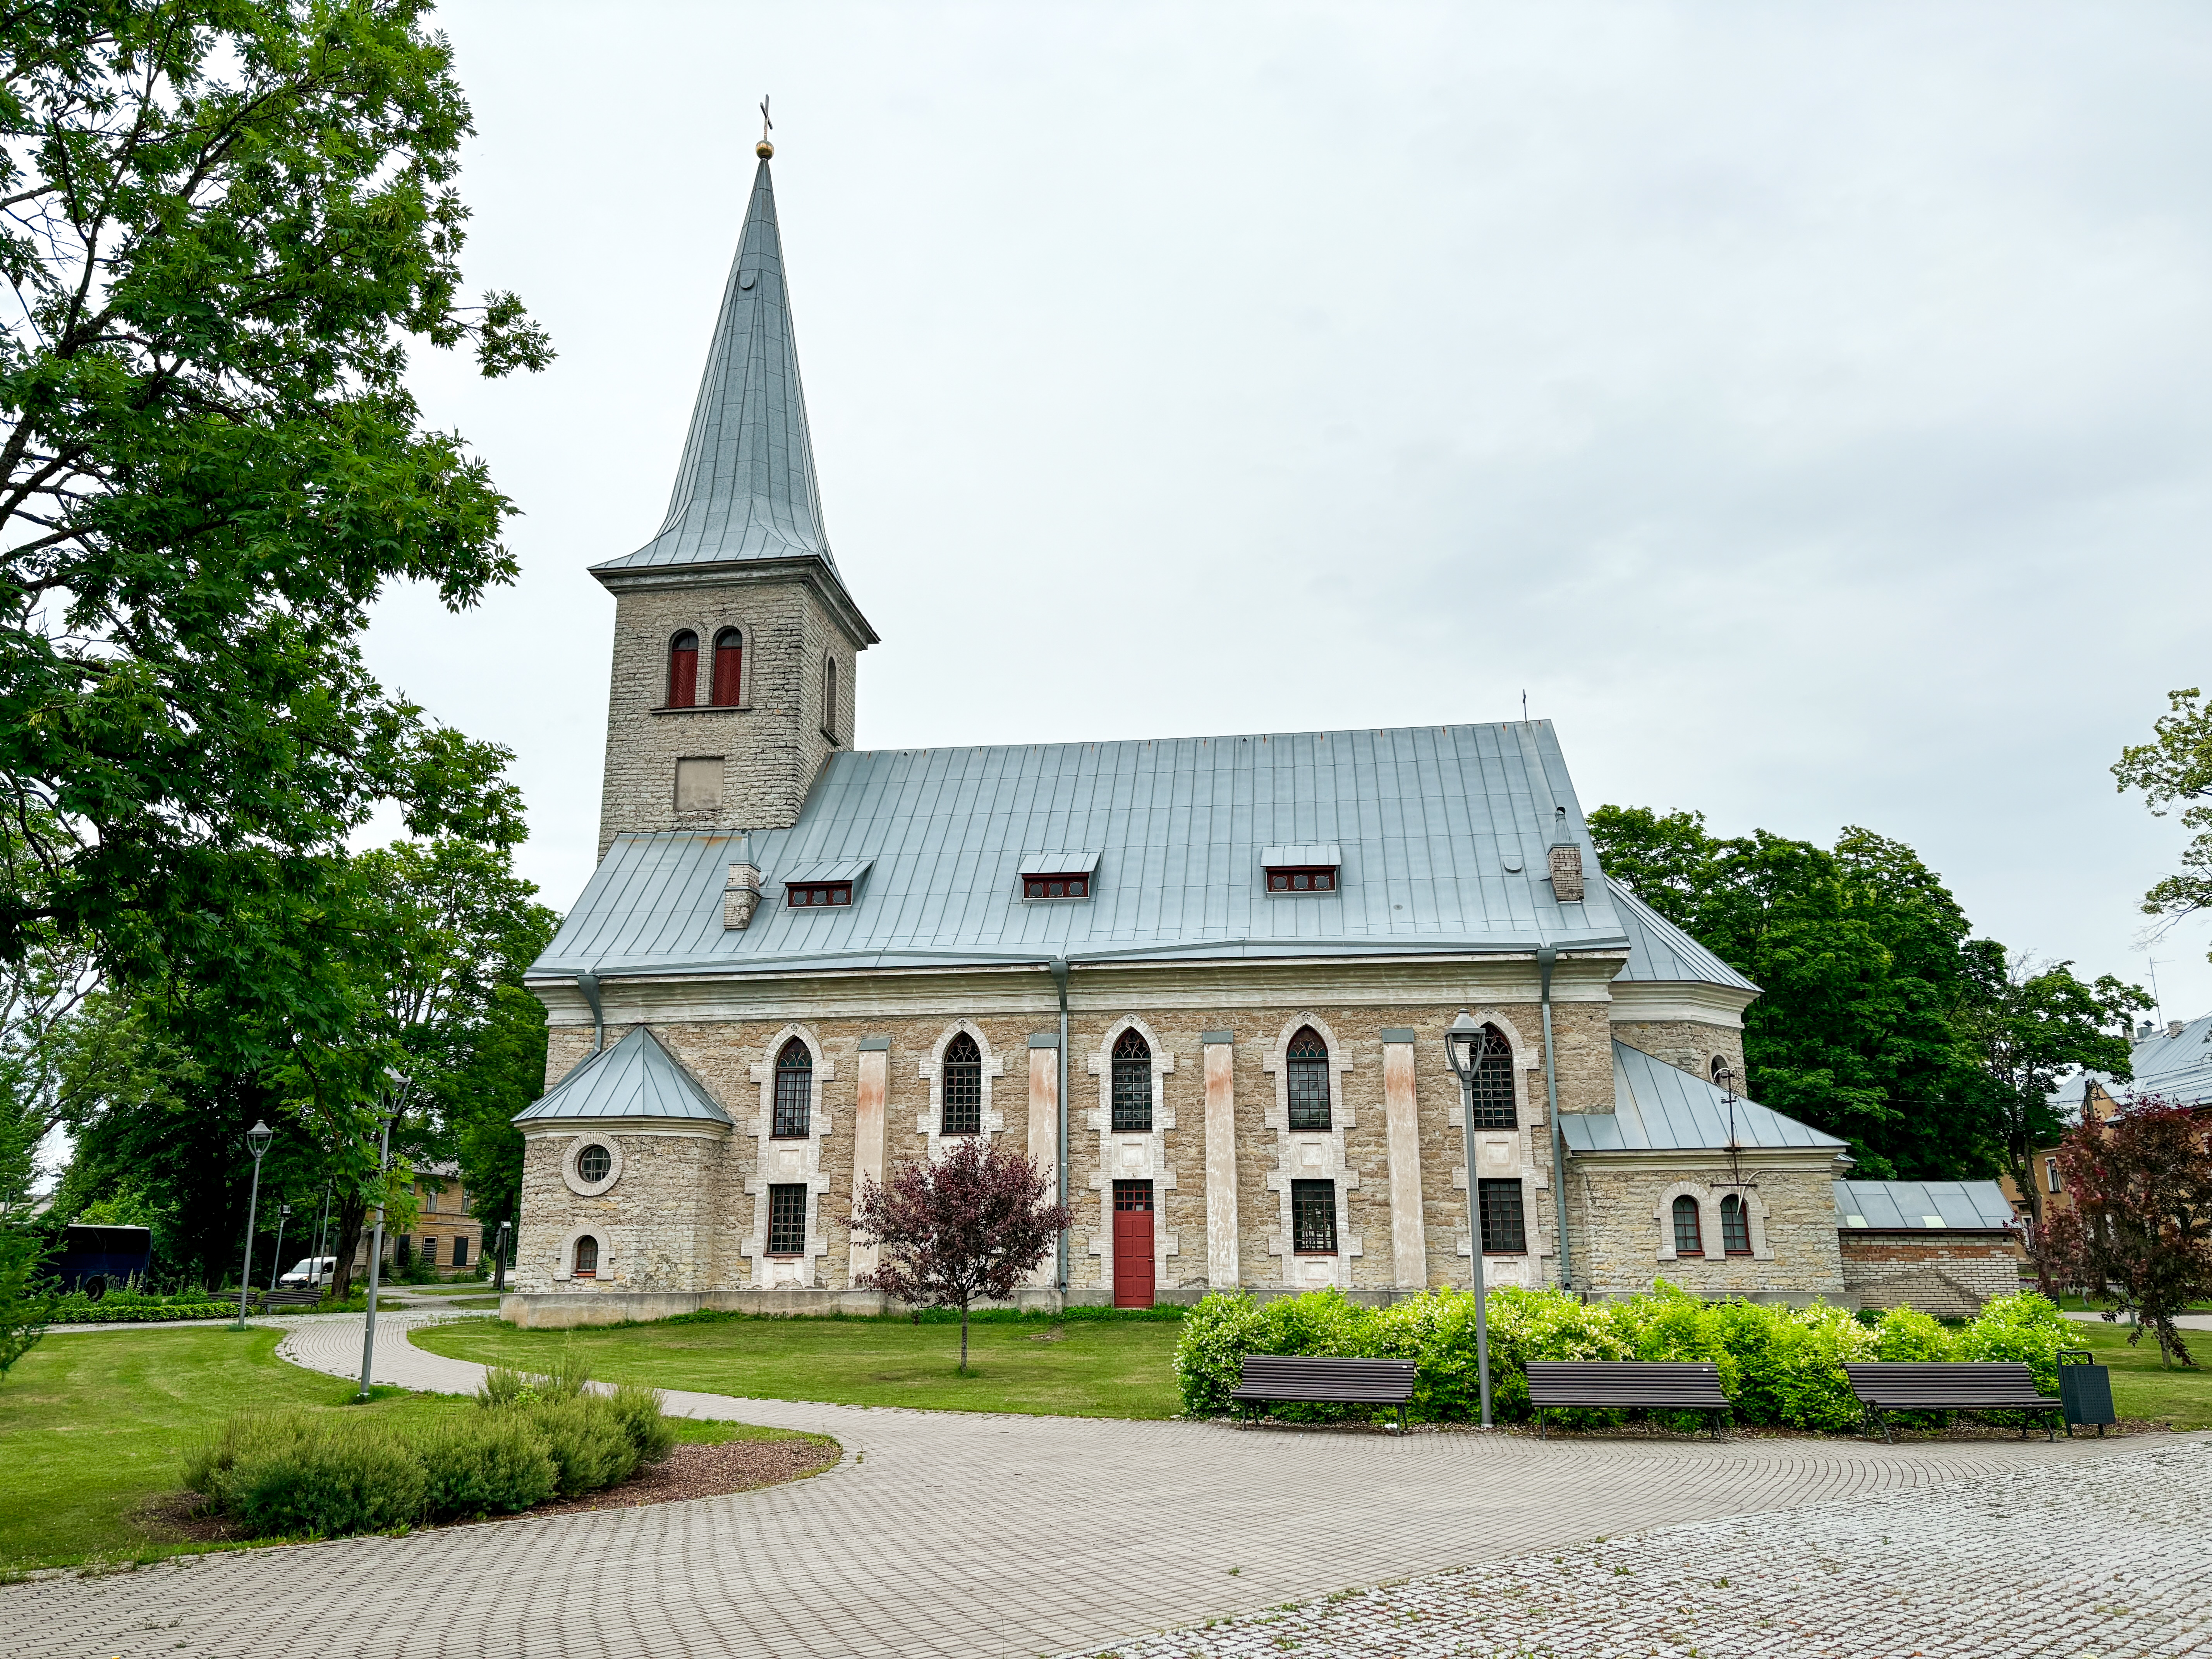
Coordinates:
683	670
729	668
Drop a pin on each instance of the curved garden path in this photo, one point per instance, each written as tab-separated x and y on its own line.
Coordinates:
956	1534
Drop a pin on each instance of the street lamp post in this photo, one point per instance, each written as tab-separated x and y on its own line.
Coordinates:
499	1258
1463	1045
276	1268
257	1142
394	1099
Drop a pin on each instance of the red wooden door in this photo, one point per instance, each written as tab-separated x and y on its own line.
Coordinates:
1133	1243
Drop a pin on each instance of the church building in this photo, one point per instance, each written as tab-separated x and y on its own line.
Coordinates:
1203	981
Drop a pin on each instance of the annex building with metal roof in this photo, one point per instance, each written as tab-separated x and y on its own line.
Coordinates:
1204	983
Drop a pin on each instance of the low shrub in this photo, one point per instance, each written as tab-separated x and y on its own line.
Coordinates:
486	1463
290	1475
1783	1366
588	1442
638	1409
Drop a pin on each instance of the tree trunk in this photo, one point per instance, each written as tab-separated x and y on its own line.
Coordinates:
2023	1175
963	1336
346	1223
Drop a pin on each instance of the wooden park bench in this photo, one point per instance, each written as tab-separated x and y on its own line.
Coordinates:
1289	1379
305	1297
1626	1385
1949	1386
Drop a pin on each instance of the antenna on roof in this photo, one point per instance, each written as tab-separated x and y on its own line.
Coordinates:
765	149
1524	706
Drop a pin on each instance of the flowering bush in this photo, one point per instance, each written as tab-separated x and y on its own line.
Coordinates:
1781	1366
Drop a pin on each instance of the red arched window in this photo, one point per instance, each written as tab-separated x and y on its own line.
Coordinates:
729	668
683	670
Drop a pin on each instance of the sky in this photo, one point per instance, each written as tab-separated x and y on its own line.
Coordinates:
1808	409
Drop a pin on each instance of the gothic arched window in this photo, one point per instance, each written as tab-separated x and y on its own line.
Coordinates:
729	668
1306	1070
1688	1241
587	1258
1133	1083
1736	1226
1493	1082
795	1093
963	1087
683	670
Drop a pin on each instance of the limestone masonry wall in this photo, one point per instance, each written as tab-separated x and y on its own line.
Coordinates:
1688	1045
771	745
1623	1230
1948	1275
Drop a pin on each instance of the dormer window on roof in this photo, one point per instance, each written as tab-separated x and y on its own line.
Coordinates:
816	886
1311	867
1058	875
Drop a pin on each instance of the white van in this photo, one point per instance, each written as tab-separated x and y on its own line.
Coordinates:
313	1270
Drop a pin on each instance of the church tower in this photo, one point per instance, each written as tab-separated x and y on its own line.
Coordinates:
735	641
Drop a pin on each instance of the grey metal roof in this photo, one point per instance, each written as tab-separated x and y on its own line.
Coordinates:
1059	864
800	875
1922	1204
745	488
2178	1069
636	1078
1660	952
1421	815
1311	853
1661	1108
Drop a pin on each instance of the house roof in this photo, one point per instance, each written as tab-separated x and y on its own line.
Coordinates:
1442	829
2176	1068
636	1078
745	489
1661	1108
1966	1205
1660	952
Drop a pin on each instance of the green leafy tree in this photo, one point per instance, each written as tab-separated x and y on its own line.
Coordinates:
2026	1025
2139	1231
2175	769
223	223
1858	950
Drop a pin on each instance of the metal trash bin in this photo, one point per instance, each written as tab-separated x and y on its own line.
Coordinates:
2085	1391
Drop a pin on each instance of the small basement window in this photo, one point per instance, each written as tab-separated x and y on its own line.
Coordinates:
1071	885
823	893
1302	878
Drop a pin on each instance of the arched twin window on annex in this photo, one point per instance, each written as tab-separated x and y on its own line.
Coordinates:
963	1087
1494	1107
586	1262
1688	1240
729	683
1736	1226
1133	1083
792	1119
683	670
1306	1072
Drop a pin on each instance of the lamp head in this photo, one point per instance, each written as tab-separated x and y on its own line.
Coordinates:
258	1137
1462	1043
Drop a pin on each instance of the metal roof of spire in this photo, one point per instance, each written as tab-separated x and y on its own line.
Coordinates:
745	489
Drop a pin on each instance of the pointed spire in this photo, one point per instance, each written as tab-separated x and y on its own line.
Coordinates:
745	489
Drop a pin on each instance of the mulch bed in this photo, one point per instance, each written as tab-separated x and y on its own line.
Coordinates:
694	1471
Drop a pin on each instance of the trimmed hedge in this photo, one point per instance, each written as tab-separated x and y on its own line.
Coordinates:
294	1474
1781	1366
79	1310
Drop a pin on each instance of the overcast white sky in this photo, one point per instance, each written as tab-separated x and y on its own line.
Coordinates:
1809	407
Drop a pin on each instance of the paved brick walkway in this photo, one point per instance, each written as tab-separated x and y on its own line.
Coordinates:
2112	1559
954	1533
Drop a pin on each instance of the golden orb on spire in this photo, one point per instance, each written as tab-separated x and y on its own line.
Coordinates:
763	149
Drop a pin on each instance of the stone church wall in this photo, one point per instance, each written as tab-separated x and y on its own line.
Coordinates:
1623	1230
1948	1275
1688	1045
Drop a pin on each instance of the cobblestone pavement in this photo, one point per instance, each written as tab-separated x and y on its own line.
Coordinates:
961	1533
2114	1558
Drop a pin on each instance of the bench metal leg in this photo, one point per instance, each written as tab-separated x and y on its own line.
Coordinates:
1882	1418
1539	1422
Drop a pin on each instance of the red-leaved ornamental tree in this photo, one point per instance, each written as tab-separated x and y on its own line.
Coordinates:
2140	1230
967	1227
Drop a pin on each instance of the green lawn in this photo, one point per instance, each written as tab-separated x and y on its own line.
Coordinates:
2141	1386
95	1424
1081	1367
